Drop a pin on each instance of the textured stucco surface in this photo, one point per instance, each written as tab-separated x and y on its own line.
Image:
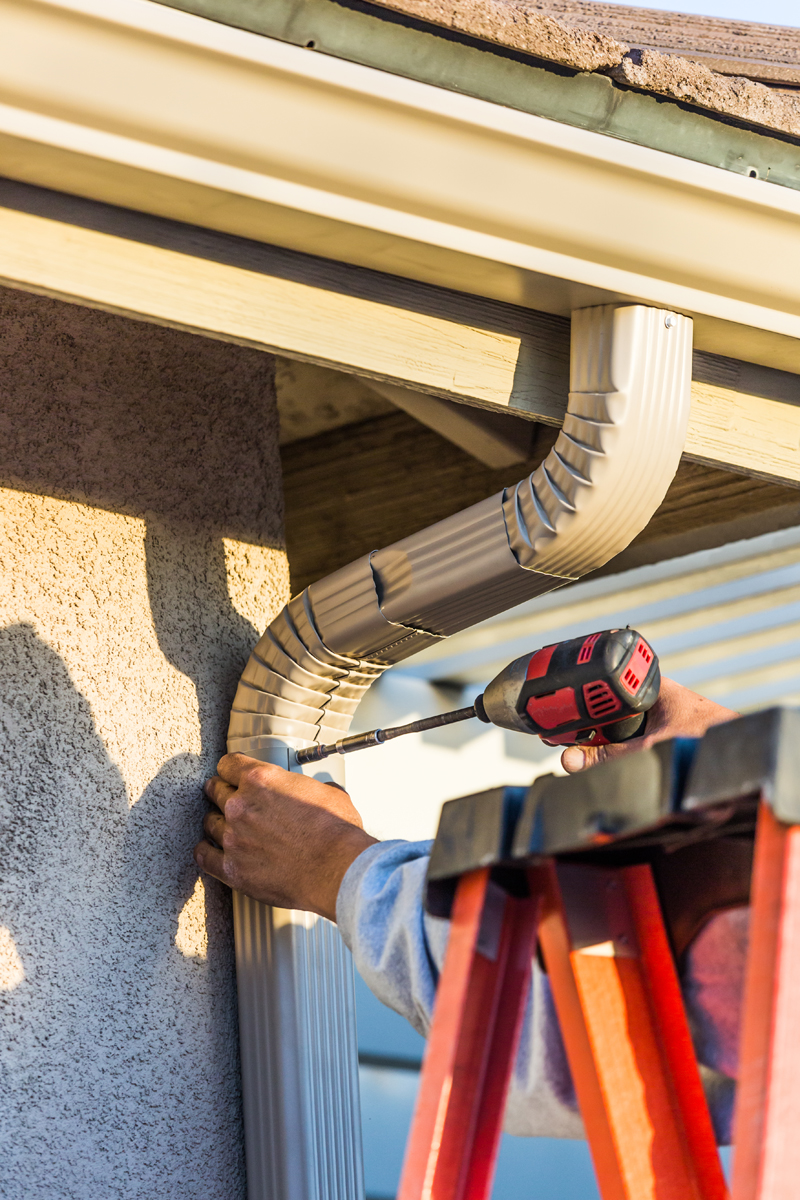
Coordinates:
140	555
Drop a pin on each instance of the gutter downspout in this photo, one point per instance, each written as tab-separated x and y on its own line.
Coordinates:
618	450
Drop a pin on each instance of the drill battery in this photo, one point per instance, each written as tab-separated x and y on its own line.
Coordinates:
594	689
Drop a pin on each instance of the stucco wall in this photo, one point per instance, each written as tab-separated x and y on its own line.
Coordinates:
141	553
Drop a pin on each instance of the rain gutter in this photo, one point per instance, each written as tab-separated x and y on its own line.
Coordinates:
252	136
394	41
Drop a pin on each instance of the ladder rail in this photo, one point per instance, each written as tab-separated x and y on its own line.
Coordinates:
766	1164
627	1037
625	1031
480	1002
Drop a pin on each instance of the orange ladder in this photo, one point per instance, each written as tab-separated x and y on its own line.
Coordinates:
569	866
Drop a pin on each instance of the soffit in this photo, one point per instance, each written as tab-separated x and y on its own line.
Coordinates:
355	488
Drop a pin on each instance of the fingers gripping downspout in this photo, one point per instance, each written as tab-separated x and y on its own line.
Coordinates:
619	448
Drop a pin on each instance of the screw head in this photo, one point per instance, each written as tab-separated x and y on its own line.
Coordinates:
670	321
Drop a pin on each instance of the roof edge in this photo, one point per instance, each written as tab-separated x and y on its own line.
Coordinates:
520	27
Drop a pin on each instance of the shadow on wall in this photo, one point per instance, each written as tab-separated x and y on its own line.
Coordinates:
91	897
121	1071
198	630
177	430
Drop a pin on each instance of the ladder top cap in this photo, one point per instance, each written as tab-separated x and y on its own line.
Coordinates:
474	831
755	755
624	810
606	804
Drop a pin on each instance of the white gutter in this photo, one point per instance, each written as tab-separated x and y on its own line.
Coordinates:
137	104
630	379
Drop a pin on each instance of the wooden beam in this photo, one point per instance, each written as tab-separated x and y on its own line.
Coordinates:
363	486
495	439
448	344
753	434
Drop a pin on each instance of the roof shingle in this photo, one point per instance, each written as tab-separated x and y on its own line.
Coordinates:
586	36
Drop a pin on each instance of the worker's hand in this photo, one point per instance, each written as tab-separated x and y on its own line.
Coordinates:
676	713
279	837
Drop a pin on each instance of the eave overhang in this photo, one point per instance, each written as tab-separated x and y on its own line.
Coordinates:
153	109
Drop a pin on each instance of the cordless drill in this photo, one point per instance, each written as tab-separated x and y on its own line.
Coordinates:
587	691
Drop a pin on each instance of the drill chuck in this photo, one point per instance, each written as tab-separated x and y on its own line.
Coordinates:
376	737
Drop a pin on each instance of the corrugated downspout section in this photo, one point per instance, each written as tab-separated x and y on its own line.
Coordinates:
602	481
295	688
599	486
307	674
619	446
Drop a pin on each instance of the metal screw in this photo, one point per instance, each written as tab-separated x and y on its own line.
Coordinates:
670	320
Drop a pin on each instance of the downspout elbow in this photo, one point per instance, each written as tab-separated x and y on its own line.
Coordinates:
619	448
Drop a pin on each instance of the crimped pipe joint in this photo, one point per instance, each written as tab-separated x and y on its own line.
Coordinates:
608	472
619	448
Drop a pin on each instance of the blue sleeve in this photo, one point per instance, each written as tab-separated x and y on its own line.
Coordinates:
399	950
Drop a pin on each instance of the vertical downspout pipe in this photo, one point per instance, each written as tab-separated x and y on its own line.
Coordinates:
609	470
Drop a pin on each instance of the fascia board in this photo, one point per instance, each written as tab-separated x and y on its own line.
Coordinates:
145	106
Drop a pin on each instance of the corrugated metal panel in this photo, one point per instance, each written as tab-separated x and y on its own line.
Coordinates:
724	622
303	1053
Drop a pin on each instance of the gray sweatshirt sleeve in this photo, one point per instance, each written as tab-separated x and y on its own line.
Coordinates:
399	951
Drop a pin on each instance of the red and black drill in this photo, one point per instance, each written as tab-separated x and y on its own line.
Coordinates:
588	691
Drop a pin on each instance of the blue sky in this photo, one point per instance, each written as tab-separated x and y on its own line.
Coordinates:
769	12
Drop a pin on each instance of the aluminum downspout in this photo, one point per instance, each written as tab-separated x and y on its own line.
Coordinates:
630	378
